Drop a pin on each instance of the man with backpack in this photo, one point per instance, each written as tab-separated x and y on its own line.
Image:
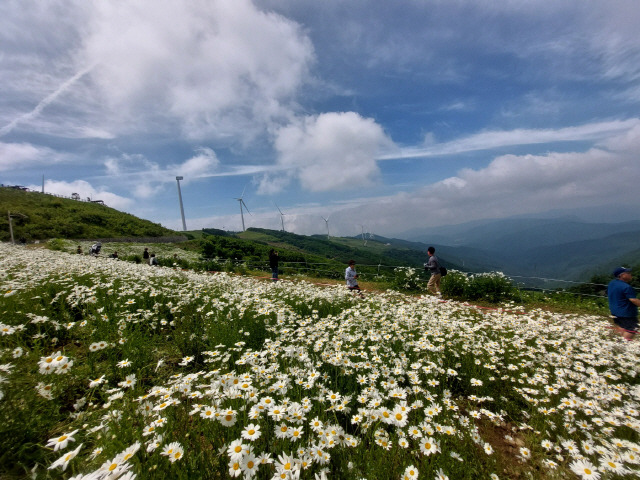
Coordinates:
433	267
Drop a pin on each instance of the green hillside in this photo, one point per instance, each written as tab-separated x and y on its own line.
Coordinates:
38	216
376	250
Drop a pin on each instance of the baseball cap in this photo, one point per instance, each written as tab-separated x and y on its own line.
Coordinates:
620	270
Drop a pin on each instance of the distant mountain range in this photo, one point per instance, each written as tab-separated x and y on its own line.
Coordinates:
557	248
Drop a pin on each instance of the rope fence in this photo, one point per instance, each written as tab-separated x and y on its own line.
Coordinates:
373	272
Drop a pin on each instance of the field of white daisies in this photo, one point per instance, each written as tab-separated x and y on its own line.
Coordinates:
110	369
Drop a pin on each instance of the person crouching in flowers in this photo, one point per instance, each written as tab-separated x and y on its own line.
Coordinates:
350	275
623	303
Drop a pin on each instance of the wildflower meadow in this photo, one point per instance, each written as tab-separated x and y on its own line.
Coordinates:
111	369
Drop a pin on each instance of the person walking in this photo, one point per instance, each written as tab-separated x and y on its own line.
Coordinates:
623	303
433	266
273	263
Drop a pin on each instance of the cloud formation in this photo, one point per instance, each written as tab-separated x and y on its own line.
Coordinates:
508	185
330	151
14	156
217	69
517	184
489	140
148	178
85	190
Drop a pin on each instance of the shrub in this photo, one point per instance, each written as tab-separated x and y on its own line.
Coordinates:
407	278
55	244
493	287
454	284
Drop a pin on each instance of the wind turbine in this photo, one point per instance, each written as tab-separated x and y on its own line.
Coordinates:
326	220
241	202
364	240
281	215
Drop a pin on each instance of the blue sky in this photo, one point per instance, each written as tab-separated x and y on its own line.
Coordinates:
381	116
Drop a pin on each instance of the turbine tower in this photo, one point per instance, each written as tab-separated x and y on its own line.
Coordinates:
184	224
281	215
241	202
326	220
364	240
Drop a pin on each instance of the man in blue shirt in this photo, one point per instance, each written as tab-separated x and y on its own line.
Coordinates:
623	303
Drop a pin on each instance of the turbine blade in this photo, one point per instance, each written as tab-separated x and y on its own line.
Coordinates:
245	206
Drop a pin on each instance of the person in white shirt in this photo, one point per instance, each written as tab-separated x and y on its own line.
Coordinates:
350	275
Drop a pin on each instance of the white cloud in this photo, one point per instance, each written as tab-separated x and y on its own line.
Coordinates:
44	102
505	138
513	184
25	155
201	164
148	178
219	68
331	151
84	190
509	185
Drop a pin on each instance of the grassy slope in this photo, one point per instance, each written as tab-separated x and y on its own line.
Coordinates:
48	216
342	249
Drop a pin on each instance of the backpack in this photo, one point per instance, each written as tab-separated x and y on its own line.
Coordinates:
443	271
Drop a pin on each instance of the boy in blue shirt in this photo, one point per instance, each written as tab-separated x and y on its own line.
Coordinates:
623	303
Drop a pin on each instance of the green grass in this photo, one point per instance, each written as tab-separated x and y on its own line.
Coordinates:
44	216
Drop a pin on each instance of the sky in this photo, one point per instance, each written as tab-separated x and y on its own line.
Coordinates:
339	116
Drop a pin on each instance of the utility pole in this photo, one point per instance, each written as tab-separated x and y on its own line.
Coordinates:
10	215
184	224
13	242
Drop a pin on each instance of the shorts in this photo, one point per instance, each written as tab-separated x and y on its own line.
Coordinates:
628	323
